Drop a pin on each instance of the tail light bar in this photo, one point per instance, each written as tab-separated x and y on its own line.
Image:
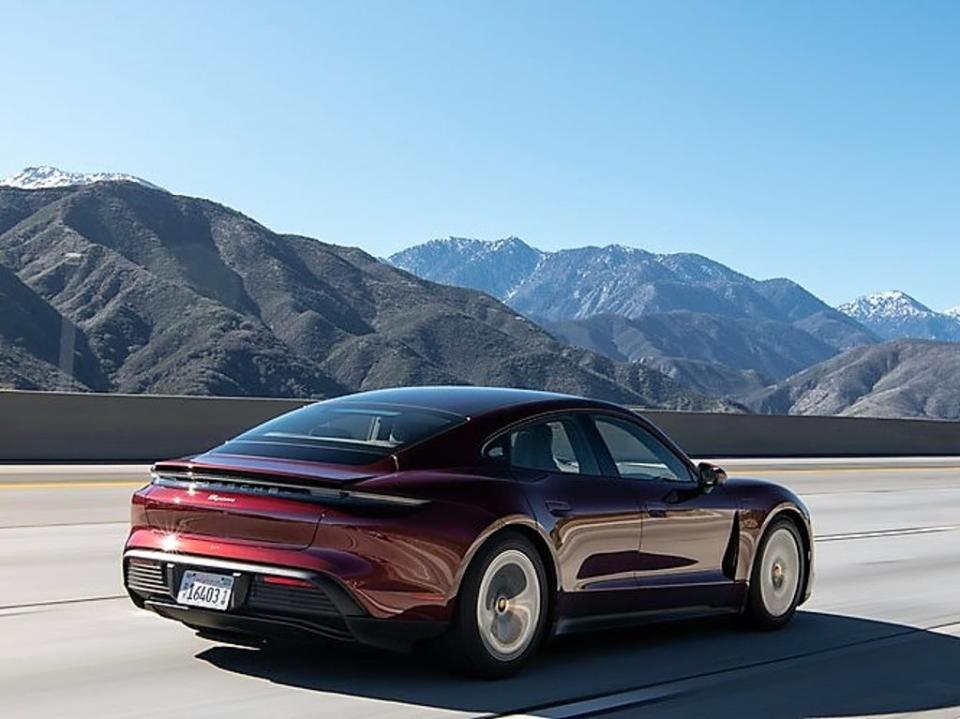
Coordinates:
194	482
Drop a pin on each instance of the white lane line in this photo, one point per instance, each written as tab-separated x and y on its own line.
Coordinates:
57	602
620	700
61	525
66	469
886	533
75	484
595	706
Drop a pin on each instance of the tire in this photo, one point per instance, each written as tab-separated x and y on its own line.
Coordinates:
777	577
501	614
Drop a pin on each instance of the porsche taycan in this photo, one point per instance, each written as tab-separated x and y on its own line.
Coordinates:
474	521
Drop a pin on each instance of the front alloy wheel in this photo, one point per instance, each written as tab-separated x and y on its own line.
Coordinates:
776	581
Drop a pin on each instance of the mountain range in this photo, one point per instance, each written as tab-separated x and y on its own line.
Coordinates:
709	327
895	315
753	351
901	378
631	304
580	283
174	294
164	293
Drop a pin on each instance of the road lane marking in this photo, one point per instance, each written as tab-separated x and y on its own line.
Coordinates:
61	525
871	534
736	470
99	484
684	686
58	602
633	698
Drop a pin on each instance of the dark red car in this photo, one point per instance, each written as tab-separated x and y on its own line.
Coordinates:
480	520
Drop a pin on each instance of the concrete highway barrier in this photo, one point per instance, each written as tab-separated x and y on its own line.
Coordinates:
52	426
753	435
55	426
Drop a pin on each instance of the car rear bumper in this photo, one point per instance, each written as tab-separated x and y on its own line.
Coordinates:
386	580
318	605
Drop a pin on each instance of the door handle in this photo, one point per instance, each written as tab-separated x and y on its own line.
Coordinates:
557	508
657	512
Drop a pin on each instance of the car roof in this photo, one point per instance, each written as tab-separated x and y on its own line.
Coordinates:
465	400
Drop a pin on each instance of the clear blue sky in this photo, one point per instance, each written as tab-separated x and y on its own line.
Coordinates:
819	141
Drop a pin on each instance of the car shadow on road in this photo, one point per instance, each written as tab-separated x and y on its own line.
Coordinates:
887	668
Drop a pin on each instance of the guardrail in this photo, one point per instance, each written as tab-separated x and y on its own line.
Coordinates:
53	426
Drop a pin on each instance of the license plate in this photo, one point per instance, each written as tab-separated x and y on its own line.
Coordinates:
202	589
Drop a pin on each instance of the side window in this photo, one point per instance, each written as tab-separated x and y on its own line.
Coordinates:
637	453
555	445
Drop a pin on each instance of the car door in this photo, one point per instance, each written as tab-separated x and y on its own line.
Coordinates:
593	519
689	536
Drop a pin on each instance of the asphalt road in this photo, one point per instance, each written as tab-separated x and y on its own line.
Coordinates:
881	635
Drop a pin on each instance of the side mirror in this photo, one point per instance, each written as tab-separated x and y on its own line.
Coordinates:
710	476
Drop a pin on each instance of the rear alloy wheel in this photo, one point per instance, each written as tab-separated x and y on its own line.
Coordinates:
776	581
501	611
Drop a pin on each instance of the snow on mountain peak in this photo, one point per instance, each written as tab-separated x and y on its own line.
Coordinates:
890	304
46	177
894	314
953	312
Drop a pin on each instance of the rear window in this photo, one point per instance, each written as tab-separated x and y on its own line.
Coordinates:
341	432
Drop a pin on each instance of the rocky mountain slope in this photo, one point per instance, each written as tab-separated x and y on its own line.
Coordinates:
901	378
175	294
772	349
895	314
30	336
586	281
710	378
666	310
496	268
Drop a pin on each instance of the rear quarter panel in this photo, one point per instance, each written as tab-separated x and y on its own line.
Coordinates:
412	563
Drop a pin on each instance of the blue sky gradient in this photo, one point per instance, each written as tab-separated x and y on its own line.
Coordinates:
815	140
